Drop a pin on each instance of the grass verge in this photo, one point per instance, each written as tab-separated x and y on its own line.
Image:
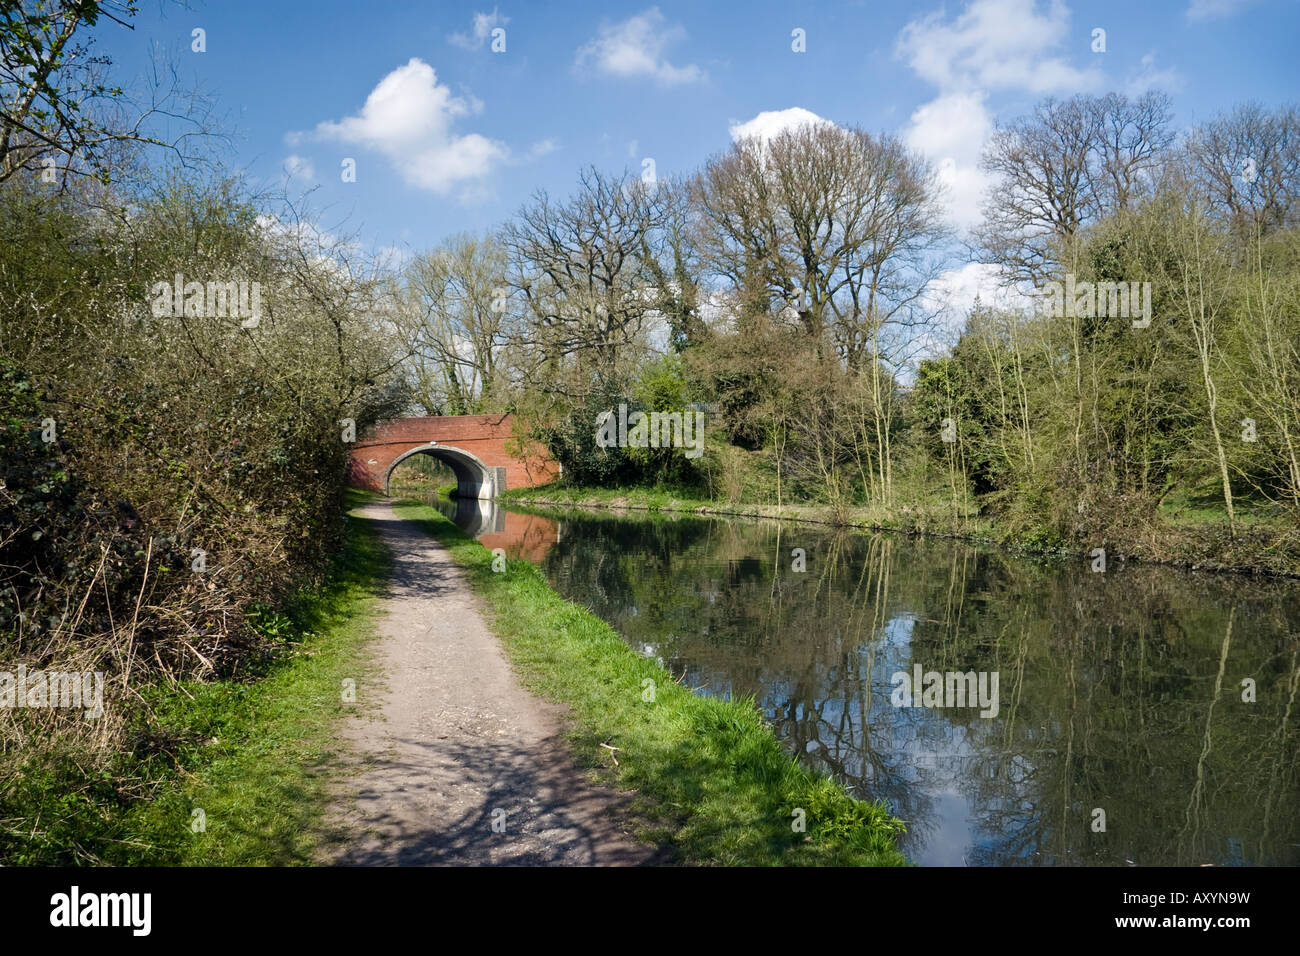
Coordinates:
935	518
711	779
254	757
1197	535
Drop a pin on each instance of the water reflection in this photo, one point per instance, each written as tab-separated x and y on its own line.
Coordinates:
1120	693
524	536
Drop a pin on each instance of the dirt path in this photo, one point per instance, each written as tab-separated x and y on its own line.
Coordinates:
459	740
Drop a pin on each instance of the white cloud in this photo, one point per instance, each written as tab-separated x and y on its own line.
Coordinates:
299	167
480	29
1215	9
408	117
950	297
635	48
541	148
950	132
953	293
996	44
1150	78
770	123
990	45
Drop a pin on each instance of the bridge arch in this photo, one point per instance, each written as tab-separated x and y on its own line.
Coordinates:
482	451
474	479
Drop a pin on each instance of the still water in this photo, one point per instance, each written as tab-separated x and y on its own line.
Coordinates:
1144	715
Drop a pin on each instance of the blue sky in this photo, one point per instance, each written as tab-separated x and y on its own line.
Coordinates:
449	136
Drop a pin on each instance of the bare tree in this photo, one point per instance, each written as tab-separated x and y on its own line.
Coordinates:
1044	193
56	99
835	225
672	260
1247	165
833	229
744	237
581	272
456	323
1060	169
1132	142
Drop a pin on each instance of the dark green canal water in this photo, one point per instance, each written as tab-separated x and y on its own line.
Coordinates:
1143	715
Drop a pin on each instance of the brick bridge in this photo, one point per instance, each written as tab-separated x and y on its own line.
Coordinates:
478	448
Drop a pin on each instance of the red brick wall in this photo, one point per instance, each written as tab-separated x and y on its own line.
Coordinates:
484	436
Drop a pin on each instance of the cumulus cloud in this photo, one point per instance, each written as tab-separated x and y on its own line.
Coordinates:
996	44
635	48
991	45
480	29
770	123
956	290
409	118
950	132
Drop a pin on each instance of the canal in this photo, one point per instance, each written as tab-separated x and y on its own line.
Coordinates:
1140	715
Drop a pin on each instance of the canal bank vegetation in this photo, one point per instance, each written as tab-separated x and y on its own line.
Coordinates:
934	519
794	288
182	360
710	778
234	771
166	482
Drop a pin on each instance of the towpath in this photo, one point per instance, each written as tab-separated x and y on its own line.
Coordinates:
459	764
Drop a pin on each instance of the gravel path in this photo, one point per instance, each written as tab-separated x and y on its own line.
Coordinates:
460	747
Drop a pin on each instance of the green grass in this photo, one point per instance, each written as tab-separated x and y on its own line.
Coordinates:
263	784
710	778
256	757
1207	508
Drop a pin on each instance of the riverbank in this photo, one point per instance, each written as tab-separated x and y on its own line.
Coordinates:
1182	539
706	777
227	773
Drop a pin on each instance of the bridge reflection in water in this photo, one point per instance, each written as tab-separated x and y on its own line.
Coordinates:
521	536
